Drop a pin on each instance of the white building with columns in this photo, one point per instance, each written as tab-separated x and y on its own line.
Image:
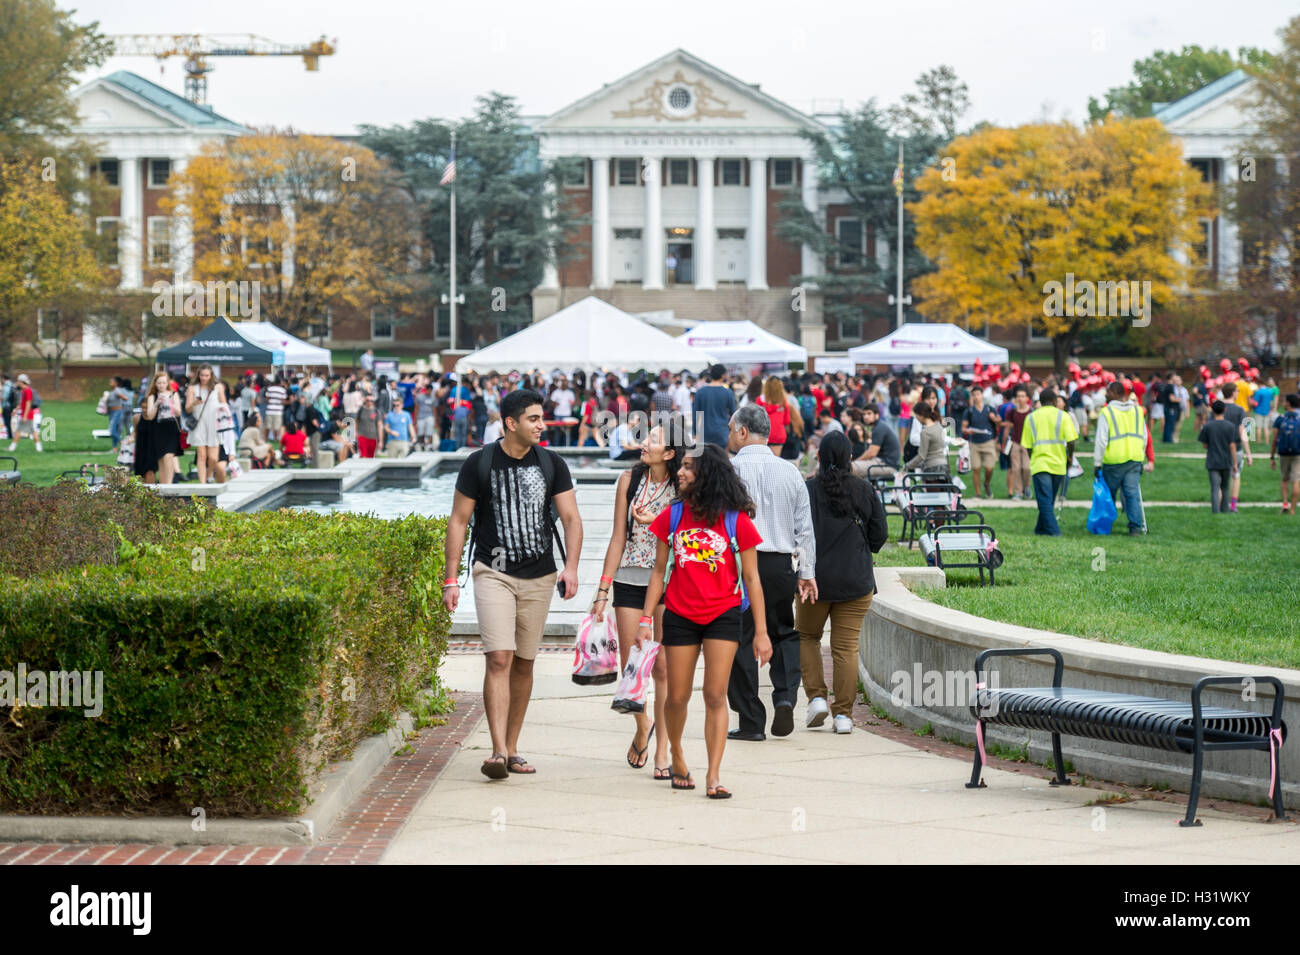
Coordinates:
143	133
683	169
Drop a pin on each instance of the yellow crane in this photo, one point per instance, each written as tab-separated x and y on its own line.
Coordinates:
198	47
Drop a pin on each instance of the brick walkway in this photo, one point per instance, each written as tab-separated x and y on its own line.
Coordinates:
359	836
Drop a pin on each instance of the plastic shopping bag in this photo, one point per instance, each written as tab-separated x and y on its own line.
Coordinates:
595	652
630	695
1103	513
963	458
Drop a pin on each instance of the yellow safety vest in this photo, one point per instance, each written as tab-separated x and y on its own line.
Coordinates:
1127	436
1047	451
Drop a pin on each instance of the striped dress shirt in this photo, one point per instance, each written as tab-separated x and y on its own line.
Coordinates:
784	516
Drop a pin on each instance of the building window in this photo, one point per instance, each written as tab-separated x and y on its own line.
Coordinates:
731	172
1038	331
1203	247
256	241
679	172
627	233
508	257
852	242
322	327
109	226
731	233
160	242
851	329
574	174
160	171
679	98
47	324
108	168
91	344
629	172
782	173
442	323
381	324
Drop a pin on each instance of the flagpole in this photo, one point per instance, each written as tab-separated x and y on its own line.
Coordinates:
452	297
898	190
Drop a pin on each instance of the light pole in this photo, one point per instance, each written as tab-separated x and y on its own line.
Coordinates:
898	298
452	299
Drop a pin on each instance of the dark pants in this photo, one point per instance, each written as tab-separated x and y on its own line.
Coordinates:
1046	488
1171	424
779	579
1126	477
1220	488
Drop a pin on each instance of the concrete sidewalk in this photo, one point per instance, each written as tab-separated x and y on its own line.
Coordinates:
812	797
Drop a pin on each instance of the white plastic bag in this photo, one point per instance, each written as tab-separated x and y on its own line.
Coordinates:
630	695
595	652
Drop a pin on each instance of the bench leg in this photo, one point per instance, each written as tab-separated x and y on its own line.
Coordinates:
975	781
1198	760
1275	773
1059	760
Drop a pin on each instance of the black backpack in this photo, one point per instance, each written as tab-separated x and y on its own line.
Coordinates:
546	460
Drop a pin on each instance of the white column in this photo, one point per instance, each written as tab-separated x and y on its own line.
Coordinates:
550	274
182	236
652	232
704	231
810	261
290	216
1229	251
131	227
600	222
756	235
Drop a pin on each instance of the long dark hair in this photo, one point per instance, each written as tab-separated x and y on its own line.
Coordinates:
844	492
674	429
717	487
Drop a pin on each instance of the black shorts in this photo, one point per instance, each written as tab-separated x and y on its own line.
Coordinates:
632	596
680	632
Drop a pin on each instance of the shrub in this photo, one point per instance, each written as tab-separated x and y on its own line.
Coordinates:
239	655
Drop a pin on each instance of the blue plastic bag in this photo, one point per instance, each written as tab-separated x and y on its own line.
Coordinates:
1103	512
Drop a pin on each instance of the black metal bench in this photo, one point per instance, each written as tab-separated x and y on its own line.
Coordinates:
1137	720
946	537
89	473
10	475
919	495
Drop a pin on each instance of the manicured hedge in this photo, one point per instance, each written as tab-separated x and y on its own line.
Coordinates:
240	654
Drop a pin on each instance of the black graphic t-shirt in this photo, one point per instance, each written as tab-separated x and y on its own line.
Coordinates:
512	531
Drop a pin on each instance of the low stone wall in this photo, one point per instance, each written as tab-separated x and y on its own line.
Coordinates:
915	657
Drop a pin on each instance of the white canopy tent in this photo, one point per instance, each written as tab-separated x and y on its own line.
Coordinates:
922	344
742	343
296	351
591	335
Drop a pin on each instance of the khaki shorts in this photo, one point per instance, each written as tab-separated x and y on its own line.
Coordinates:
397	449
1289	465
274	422
511	611
877	470
984	455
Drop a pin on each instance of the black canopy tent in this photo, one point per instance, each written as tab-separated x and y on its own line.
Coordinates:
219	344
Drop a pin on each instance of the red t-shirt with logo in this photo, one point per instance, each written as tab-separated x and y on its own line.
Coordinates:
295	443
703	582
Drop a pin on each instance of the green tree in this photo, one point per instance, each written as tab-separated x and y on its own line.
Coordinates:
1165	76
858	158
507	226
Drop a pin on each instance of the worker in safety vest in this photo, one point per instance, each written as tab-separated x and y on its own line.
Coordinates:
1049	435
1120	453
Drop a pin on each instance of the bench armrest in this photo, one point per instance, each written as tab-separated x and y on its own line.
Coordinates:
1279	696
1016	652
7	457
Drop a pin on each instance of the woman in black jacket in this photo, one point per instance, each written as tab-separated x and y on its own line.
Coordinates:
849	525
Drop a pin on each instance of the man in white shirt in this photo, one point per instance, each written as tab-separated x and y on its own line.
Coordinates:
683	391
783	517
564	398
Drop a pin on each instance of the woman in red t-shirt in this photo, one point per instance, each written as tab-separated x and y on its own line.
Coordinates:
774	402
702	601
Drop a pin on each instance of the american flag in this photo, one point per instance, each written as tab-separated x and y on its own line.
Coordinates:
449	174
898	179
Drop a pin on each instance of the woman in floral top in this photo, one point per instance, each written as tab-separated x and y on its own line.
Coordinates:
644	491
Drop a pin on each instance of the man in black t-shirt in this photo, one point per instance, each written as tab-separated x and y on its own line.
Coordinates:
510	496
883	455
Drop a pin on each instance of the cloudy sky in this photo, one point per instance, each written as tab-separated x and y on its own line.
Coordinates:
399	60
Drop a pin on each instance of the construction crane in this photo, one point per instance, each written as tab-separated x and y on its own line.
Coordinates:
197	48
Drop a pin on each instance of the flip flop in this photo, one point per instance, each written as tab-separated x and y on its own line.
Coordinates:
665	774
689	783
718	792
494	770
640	753
514	761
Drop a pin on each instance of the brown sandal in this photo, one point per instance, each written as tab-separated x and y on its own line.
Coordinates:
518	761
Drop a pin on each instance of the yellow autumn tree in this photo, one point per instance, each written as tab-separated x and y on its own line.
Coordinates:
43	253
314	221
1059	226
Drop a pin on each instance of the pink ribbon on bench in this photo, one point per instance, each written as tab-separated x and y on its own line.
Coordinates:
993	545
1274	747
979	729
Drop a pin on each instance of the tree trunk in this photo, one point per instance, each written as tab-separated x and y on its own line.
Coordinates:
1061	346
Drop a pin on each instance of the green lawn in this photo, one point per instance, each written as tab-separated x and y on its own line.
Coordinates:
68	444
1181	589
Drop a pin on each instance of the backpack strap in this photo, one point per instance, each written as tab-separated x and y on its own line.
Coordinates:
674	518
729	523
546	459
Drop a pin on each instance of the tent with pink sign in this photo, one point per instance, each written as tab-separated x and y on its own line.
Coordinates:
924	344
742	343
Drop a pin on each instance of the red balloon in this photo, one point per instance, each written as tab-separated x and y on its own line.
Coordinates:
1225	365
1108	376
1205	373
979	363
1252	374
1242	363
1232	376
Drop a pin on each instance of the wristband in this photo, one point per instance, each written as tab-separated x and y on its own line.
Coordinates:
451	583
644	623
606	580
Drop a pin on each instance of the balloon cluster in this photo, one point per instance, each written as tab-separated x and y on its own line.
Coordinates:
1228	373
986	375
